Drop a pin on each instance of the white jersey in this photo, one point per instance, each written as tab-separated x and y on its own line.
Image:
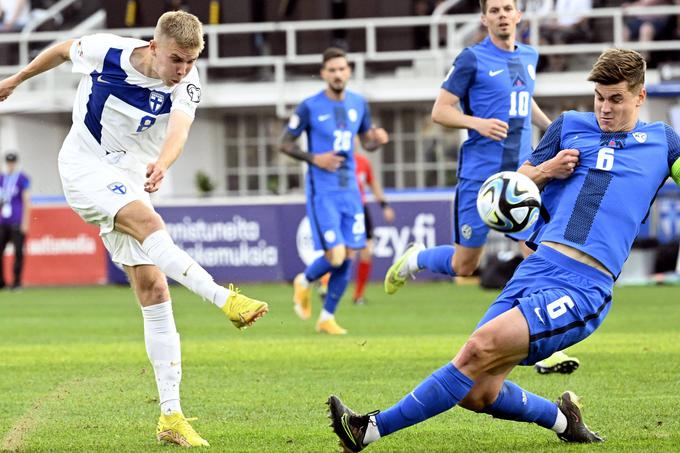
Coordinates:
118	109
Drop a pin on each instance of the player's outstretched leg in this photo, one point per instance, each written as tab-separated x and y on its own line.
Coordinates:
576	431
350	427
559	362
175	429
404	267
178	265
242	310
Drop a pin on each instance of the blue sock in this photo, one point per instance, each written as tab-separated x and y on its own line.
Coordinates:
317	269
514	403
437	259
337	285
439	392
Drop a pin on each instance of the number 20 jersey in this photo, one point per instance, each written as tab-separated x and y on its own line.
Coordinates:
494	83
599	208
118	109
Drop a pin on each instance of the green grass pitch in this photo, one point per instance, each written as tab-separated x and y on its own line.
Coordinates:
74	374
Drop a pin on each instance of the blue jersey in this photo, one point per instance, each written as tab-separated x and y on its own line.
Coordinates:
494	83
599	208
331	126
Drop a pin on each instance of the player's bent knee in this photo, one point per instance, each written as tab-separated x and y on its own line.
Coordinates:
476	355
464	268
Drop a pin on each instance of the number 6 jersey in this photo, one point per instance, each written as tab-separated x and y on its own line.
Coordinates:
599	208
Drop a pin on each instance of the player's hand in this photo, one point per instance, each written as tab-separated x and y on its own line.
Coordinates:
329	161
154	176
7	86
492	128
378	135
388	214
562	165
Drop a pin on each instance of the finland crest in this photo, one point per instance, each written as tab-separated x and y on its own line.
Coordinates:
117	188
466	231
640	137
156	101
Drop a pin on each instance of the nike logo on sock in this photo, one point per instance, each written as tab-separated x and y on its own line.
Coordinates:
186	272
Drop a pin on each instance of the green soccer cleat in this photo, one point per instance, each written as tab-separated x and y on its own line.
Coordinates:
242	310
396	275
577	431
559	362
175	429
349	426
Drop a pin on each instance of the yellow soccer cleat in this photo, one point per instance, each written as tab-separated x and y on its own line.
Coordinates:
331	327
242	310
175	429
302	298
396	275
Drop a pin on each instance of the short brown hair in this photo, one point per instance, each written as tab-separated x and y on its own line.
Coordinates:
330	53
184	28
619	65
482	5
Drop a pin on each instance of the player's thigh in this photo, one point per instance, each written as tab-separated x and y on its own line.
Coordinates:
324	220
466	259
125	250
353	224
496	346
97	188
468	228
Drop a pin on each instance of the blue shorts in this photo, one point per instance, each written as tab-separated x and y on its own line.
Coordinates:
337	219
563	301
468	228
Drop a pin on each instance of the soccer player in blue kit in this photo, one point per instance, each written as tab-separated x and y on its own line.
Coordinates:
603	170
331	119
493	82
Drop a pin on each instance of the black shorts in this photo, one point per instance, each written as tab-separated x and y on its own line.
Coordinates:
368	222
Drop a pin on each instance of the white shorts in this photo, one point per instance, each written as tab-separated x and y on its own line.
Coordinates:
97	187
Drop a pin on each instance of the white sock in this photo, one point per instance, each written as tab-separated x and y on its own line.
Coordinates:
178	265
163	348
325	316
560	425
302	280
411	266
372	433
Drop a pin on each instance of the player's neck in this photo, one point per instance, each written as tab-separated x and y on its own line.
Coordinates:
335	95
503	44
141	60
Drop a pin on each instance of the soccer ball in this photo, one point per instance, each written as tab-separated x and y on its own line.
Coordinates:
509	202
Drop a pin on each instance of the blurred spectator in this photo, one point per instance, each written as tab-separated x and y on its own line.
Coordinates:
14	216
539	9
15	14
176	5
646	28
568	27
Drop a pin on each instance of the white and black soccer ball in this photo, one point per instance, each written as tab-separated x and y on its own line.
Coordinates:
509	202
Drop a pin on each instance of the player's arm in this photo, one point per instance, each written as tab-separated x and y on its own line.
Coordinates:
446	112
329	161
46	60
549	161
538	117
379	194
176	136
374	138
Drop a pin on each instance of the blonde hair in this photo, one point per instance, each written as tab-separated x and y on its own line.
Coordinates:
618	65
184	28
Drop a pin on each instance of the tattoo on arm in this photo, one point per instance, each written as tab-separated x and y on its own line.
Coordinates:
290	148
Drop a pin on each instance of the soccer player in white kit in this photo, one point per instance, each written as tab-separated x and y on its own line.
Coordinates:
132	113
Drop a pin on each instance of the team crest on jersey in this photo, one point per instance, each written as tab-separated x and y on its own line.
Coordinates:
117	188
194	93
352	115
156	100
616	141
640	137
518	82
466	231
532	71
